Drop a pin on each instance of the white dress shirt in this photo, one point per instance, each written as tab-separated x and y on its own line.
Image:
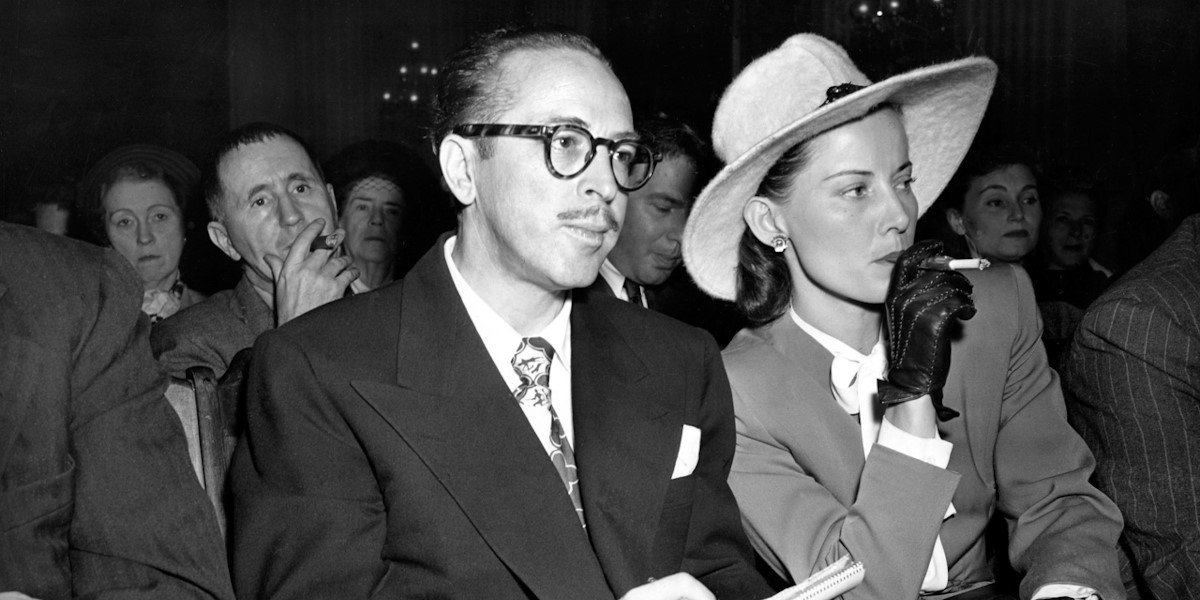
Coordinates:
616	282
502	341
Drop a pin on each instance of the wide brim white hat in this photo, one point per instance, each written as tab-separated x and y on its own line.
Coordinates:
787	96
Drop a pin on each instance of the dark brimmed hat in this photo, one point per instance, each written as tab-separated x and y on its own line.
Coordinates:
174	164
181	173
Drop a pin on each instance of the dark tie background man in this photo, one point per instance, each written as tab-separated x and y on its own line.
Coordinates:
474	431
648	248
269	201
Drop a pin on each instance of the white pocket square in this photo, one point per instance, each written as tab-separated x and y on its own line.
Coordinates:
689	452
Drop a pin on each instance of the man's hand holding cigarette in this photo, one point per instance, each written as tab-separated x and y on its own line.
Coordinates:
312	273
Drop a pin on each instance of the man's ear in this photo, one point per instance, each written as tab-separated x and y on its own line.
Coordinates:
220	239
457	158
1160	203
762	217
955	219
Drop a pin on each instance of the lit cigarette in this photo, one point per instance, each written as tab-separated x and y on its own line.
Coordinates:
945	263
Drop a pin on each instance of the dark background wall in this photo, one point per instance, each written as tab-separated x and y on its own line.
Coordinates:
1105	85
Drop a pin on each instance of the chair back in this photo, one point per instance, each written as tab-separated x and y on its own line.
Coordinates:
209	429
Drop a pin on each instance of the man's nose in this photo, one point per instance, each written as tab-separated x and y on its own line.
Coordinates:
289	211
598	178
675	232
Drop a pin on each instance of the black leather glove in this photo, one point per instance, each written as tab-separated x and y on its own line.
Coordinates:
919	307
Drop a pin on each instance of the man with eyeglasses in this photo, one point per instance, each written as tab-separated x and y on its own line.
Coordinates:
476	431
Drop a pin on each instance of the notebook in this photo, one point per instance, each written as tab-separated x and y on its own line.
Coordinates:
830	582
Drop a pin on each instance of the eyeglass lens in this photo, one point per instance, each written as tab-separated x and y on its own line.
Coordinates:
571	150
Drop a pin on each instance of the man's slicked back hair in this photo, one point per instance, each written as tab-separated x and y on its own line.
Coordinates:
211	186
469	85
673	137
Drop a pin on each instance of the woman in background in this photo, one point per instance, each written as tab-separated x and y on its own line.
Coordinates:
390	205
994	205
1066	279
890	439
134	200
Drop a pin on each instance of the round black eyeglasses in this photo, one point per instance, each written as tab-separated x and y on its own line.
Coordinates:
570	149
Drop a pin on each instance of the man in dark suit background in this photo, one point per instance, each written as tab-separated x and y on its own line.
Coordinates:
1132	377
475	431
643	266
648	248
97	497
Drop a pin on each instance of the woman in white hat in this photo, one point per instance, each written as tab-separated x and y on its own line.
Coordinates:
892	439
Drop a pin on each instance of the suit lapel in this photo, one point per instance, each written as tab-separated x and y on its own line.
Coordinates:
600	286
821	422
453	409
626	443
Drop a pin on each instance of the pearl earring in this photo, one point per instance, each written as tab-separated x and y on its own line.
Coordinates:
780	243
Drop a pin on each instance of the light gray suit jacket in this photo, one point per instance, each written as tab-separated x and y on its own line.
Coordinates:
808	496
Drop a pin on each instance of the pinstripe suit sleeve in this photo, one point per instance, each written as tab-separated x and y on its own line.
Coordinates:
1132	379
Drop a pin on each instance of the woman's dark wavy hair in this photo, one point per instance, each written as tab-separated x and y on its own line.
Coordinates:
764	284
982	160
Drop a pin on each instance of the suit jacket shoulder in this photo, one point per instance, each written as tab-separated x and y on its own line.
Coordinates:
210	332
1133	389
96	491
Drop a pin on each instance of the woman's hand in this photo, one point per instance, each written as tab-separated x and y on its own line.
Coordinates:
919	307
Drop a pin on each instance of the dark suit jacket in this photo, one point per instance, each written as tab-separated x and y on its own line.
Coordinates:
385	455
211	333
97	496
808	495
1133	382
679	298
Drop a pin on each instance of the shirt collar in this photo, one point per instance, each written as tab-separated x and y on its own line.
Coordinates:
498	336
614	279
835	346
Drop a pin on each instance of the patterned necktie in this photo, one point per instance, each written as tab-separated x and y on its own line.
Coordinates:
532	364
633	291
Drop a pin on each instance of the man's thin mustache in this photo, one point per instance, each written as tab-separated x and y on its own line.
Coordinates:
587	213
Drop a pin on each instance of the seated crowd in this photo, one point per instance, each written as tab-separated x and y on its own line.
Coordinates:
501	383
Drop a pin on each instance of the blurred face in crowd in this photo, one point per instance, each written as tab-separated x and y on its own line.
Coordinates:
1070	232
49	216
145	226
648	249
271	192
532	228
850	211
1001	214
371	217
